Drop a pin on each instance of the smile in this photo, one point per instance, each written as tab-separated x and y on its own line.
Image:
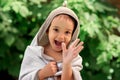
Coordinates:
57	43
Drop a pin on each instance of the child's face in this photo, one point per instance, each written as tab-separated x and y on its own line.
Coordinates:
60	30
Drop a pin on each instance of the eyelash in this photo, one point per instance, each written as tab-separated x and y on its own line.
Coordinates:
67	32
55	30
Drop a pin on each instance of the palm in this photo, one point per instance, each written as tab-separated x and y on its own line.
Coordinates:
72	52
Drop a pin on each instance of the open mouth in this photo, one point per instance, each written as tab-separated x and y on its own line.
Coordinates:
57	43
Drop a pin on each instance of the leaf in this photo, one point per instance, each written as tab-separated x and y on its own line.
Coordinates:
14	71
24	11
89	5
82	35
102	8
9	39
20	8
102	58
114	53
37	1
87	28
102	45
118	60
34	31
20	44
106	68
6	4
13	60
16	8
2	49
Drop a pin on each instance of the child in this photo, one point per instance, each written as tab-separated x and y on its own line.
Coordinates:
54	51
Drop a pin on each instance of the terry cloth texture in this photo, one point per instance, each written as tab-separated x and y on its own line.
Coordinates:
34	57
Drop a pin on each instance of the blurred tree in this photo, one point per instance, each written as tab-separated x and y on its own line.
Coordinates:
21	19
101	54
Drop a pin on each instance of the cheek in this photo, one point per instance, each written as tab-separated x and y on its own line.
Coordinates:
68	39
51	35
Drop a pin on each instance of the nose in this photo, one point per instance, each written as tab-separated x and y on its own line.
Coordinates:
61	37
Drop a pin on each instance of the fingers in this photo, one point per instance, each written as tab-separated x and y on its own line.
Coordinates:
72	51
53	62
54	66
80	44
79	47
51	68
75	43
63	47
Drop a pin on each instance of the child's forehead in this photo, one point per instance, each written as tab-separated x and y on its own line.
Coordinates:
65	16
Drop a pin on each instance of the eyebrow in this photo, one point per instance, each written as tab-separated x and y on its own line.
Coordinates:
59	26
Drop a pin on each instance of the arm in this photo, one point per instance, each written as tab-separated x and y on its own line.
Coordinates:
67	71
68	55
31	64
33	67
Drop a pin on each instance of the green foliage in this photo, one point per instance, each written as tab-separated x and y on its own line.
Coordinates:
21	19
101	53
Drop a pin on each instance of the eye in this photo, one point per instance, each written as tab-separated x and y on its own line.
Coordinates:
67	32
55	29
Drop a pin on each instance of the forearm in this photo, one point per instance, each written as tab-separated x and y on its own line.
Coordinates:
41	75
67	72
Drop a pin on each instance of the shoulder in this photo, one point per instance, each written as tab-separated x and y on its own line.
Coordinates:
77	61
34	50
78	58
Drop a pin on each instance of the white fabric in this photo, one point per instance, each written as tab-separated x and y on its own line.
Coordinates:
36	60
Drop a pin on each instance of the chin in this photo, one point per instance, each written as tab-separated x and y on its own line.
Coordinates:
57	49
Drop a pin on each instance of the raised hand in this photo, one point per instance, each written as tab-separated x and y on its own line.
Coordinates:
72	51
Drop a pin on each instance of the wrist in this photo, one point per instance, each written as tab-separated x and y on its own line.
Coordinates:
66	71
66	63
41	75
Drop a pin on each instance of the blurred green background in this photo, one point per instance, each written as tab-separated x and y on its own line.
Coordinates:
100	31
